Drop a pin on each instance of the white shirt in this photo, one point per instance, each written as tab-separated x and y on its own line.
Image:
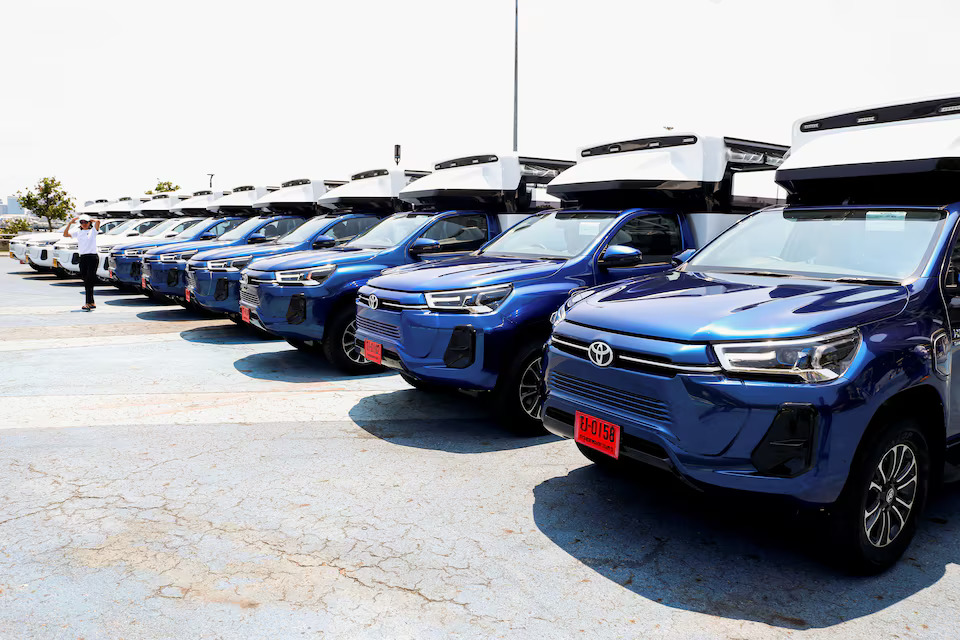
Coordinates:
86	240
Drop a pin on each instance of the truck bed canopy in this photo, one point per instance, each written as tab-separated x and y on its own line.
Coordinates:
197	203
162	205
240	201
680	171
95	208
125	207
504	182
374	190
907	153
294	196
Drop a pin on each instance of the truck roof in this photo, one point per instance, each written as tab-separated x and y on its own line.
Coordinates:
903	153
162	204
198	202
683	170
240	201
373	189
499	180
301	194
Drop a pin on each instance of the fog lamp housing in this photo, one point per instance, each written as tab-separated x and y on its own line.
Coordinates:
789	447
297	310
461	350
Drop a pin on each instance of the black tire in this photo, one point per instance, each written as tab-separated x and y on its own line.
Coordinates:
340	348
421	385
875	519
62	273
36	268
513	404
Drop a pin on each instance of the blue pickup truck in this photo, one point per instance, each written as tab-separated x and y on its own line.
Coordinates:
310	299
808	351
479	322
213	277
164	268
191	222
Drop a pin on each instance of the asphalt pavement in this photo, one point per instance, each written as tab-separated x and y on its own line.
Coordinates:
171	475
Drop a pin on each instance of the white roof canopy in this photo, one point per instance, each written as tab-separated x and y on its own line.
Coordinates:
198	202
300	191
241	197
370	186
162	204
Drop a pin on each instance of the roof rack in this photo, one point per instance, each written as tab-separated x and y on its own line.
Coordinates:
895	154
680	170
500	182
373	190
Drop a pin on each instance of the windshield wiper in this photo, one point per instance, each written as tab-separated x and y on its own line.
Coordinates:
878	281
771	274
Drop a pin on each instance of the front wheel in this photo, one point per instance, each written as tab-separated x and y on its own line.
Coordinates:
340	344
876	516
516	397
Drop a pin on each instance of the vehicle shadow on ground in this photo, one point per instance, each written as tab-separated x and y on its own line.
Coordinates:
224	334
736	556
42	277
451	422
291	365
138	302
173	314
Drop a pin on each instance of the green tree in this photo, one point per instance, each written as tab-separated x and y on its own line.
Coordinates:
14	225
162	187
50	201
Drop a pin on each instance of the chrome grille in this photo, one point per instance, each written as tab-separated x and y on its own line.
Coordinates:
191	280
378	328
113	262
146	270
250	294
603	395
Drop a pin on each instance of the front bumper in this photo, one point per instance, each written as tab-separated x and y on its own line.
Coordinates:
215	290
126	269
103	266
290	311
18	251
67	259
707	427
167	278
42	256
451	349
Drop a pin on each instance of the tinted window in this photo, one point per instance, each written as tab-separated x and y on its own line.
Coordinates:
553	235
149	224
278	228
346	229
459	233
657	237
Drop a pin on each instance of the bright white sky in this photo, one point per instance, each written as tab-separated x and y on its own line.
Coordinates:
110	95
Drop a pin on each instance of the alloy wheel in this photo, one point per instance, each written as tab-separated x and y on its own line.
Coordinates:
529	389
349	343
891	495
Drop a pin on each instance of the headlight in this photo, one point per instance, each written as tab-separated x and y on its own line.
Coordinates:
560	314
481	300
234	263
134	252
816	359
174	257
308	277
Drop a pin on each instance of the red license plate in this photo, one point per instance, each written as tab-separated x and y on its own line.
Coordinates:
597	434
187	291
23	262
373	351
244	314
143	281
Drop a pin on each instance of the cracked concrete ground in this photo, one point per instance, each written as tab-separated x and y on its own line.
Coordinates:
171	476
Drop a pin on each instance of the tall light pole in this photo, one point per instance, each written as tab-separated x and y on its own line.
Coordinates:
516	65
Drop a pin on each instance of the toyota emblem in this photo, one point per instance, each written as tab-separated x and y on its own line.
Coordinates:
600	354
373	301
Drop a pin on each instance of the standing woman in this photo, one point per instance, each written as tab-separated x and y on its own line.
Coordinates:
86	237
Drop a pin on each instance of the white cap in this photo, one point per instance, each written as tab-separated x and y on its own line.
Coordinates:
84	218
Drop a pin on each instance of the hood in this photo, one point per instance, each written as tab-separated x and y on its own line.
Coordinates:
307	259
698	307
49	235
466	272
190	245
146	243
255	250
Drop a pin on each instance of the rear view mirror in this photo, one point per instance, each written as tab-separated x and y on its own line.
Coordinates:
256	238
421	246
682	257
324	242
619	255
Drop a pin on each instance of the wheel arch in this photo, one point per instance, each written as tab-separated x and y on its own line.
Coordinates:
926	404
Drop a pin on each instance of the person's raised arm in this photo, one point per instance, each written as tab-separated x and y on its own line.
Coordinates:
66	231
96	225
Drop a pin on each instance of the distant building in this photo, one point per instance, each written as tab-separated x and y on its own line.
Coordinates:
13	206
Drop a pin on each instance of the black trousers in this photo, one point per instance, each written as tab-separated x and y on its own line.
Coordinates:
88	271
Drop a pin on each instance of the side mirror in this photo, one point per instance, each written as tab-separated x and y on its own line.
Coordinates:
682	257
618	255
256	238
421	246
324	242
207	235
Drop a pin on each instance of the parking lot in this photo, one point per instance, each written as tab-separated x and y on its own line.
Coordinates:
170	475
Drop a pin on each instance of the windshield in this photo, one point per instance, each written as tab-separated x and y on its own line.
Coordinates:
391	231
305	231
193	229
248	226
123	226
161	228
553	235
828	244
